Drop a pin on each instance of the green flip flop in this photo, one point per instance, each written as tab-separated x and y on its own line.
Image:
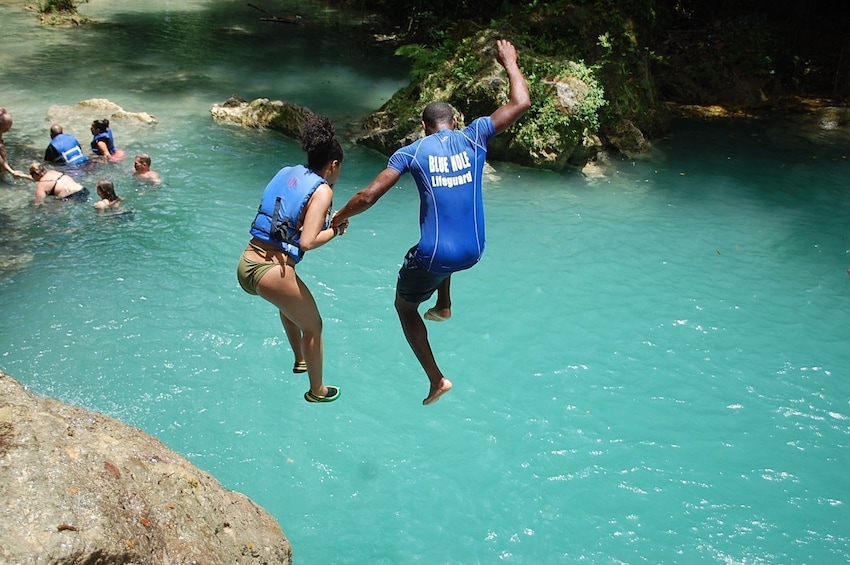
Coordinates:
333	394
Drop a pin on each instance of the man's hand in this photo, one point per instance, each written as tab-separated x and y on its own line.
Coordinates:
505	53
339	225
519	101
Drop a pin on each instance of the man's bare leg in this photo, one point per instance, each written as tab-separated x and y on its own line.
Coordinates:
417	337
442	310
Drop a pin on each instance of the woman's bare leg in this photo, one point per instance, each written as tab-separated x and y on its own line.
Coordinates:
284	288
293	334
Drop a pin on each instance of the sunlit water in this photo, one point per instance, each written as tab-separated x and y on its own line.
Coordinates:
651	362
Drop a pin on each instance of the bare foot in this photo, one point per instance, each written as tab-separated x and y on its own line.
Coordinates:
434	395
438	314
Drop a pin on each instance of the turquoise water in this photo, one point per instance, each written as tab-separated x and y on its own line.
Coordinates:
650	363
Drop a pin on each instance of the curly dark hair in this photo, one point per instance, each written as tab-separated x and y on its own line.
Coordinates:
101	125
319	141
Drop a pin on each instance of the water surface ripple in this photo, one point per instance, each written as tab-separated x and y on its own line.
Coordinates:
650	362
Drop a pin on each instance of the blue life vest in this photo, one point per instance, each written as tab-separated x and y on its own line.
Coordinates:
68	148
278	220
106	137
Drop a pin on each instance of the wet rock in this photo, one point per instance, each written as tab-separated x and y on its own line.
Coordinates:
95	109
561	129
384	132
831	118
114	111
76	119
79	487
627	138
261	113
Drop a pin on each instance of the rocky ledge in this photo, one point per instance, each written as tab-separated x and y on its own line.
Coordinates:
79	487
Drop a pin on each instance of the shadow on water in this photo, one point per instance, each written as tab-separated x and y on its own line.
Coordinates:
213	50
759	167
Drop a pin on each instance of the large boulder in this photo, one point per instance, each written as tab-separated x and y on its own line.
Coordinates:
284	117
564	127
79	487
76	119
831	118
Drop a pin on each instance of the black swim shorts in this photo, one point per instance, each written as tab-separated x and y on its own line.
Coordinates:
79	196
415	283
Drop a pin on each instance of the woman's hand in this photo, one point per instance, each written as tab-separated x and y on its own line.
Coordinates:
339	226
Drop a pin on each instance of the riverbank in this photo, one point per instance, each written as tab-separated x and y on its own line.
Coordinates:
598	118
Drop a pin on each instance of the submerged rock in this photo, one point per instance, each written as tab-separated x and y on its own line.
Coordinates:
831	118
77	119
97	108
79	487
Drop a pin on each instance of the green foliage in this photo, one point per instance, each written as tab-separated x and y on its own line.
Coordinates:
424	21
465	75
450	66
695	50
549	122
424	60
53	6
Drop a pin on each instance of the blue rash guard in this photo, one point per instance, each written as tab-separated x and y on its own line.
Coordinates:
278	220
105	136
447	167
66	149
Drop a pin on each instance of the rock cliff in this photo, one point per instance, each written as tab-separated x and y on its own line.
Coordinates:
79	487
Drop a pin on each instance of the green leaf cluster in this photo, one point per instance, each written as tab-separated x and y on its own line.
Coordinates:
549	123
54	6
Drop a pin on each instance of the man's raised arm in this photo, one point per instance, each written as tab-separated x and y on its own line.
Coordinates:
520	100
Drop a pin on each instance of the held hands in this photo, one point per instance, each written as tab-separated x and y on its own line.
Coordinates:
339	225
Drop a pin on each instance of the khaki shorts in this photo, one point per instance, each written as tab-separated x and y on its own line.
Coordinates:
249	271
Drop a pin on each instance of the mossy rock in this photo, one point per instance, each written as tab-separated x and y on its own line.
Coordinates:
59	17
560	130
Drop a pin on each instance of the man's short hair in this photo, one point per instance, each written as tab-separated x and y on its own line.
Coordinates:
438	113
5	120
